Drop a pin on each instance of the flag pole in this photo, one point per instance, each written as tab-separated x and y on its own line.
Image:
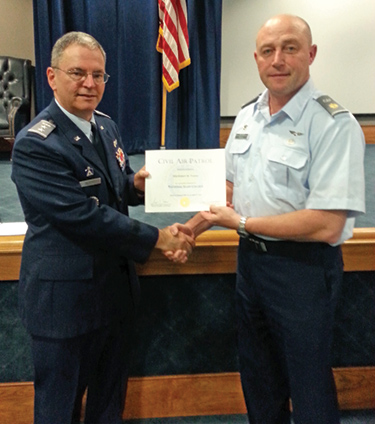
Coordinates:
163	117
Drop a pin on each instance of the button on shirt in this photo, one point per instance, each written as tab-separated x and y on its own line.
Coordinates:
302	157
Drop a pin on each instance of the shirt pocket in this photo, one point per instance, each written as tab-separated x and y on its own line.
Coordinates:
287	171
239	146
239	151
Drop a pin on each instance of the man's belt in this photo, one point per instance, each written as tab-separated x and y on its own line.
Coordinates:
283	248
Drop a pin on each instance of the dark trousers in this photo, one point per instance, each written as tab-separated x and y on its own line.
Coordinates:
285	303
65	368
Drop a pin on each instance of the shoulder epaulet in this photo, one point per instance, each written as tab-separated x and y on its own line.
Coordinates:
42	128
330	105
251	101
102	114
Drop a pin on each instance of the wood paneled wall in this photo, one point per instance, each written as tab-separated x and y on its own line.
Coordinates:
190	395
215	253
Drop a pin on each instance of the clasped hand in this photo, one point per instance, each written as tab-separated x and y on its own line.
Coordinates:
176	242
222	216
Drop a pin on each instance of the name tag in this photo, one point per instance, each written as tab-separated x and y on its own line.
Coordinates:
241	136
90	182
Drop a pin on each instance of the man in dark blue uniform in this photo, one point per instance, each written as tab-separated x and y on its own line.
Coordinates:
78	288
295	181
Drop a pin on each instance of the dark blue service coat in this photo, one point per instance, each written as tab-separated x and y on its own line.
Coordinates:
77	270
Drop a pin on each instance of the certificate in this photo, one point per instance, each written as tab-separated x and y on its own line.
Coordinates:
185	180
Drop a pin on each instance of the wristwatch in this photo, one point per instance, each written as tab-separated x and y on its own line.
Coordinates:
241	227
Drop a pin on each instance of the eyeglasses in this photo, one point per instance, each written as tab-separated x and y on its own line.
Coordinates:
79	75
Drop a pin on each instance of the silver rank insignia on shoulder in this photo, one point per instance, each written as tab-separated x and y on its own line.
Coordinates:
43	128
101	114
330	105
115	143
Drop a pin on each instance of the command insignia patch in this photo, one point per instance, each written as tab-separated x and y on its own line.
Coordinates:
43	128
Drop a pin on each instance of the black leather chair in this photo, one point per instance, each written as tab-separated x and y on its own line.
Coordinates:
16	78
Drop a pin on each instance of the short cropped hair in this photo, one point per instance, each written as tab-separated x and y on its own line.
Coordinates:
74	37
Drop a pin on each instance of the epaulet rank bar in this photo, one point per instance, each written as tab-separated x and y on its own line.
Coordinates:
101	114
251	101
42	128
330	105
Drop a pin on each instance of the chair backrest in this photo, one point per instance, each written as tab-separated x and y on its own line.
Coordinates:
15	94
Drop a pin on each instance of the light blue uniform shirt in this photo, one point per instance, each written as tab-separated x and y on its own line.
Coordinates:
299	158
82	124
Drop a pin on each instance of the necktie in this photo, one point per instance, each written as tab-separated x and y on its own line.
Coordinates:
98	144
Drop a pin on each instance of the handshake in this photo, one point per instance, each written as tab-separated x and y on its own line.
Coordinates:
176	242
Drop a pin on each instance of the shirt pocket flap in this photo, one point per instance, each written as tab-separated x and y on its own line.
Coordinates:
239	146
66	267
288	157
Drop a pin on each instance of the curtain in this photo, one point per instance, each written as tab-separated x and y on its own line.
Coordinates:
128	30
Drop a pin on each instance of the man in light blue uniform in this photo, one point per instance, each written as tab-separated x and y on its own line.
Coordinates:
302	157
295	182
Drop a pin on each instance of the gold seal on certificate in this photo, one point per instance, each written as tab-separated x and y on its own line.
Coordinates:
184	180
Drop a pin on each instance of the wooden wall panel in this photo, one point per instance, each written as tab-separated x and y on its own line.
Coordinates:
215	253
369	132
190	395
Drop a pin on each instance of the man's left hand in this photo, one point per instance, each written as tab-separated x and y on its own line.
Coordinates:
223	216
139	179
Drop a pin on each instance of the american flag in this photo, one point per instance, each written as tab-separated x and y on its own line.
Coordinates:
173	41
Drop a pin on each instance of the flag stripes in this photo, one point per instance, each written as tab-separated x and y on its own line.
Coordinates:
173	40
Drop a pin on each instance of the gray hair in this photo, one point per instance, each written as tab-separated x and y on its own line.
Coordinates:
74	37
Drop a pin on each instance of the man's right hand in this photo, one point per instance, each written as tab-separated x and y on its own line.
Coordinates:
180	242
